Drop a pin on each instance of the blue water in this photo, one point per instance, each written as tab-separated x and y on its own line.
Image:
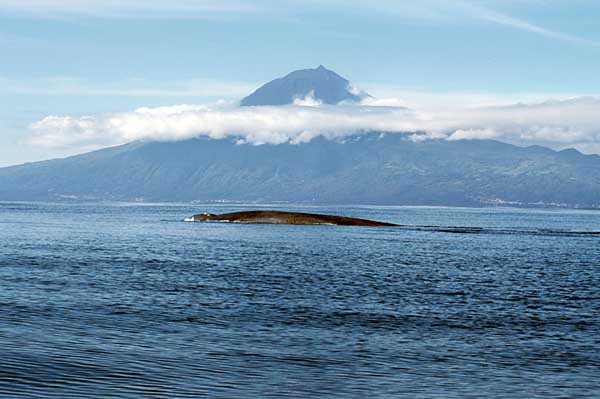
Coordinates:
128	301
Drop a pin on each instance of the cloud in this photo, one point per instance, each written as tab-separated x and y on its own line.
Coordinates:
384	102
455	11
71	86
461	11
520	24
256	125
308	101
128	8
557	124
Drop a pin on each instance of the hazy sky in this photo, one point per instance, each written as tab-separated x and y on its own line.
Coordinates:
75	58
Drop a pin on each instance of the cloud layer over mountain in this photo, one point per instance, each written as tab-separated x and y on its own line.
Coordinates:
557	124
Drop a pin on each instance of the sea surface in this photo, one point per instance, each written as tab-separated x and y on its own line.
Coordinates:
128	301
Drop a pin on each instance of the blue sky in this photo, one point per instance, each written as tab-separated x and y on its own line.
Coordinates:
85	57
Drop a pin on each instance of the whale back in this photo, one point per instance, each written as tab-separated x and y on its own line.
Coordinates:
280	217
204	217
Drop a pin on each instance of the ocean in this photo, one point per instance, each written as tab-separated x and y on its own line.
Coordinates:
119	300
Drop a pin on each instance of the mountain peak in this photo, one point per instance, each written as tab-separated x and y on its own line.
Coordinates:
320	83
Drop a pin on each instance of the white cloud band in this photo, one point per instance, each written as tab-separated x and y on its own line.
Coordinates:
557	124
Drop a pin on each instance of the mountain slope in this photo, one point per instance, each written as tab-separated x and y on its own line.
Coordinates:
366	169
322	84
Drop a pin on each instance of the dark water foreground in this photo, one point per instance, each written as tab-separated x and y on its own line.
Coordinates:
126	301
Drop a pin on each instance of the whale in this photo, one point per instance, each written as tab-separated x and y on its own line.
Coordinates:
281	217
